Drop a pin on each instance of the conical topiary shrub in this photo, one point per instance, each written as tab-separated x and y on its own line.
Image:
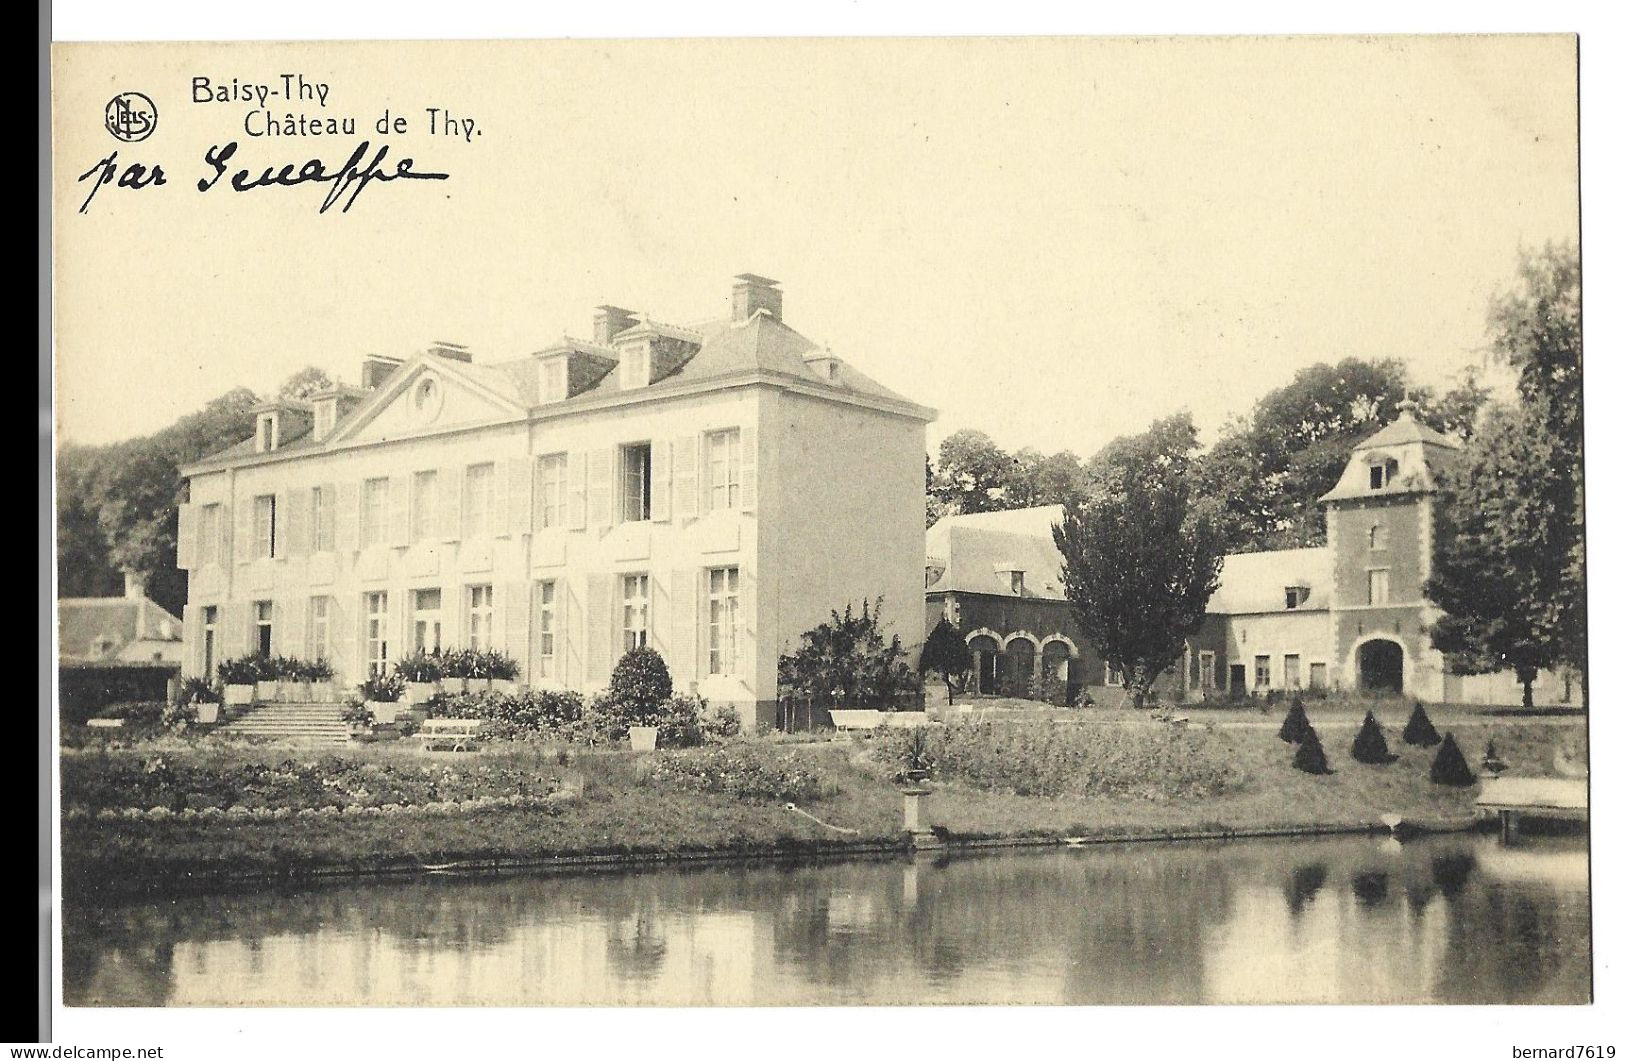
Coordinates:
1370	746
1450	766
1419	730
1311	757
1296	723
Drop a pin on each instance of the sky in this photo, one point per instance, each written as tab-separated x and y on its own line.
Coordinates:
1053	240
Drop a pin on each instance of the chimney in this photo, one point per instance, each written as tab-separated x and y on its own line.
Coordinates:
610	321
135	586
451	351
825	365
752	293
377	368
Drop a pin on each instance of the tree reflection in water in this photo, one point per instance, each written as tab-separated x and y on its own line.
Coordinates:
1304	886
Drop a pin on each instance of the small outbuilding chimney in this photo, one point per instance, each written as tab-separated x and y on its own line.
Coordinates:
451	351
135	585
753	293
610	321
377	368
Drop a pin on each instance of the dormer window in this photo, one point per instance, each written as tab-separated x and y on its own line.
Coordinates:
555	380
265	433
1296	596
1018	582
635	366
1383	472
326	415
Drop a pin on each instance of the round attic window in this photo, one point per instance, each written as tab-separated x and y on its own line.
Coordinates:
426	398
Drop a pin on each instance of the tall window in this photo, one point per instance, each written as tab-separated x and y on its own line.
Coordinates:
1291	673
1384	473
634	611
550	487
722	468
1205	662
723	613
321	519
317	645
544	630
479	616
1261	672
211	622
264	527
1376	586
1379	537
477	486
374	511
424	497
635	463
377	607
426	620
1113	675
262	626
208	535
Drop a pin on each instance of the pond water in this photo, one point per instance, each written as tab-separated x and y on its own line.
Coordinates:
1458	919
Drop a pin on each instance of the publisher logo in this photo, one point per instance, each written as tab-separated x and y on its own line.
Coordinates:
131	116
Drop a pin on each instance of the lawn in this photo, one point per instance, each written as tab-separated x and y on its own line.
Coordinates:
246	811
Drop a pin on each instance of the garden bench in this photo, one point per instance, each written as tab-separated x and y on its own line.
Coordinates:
452	734
851	719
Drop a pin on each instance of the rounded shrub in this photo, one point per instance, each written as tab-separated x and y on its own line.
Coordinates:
1419	730
640	683
1370	746
1296	724
1311	757
1450	766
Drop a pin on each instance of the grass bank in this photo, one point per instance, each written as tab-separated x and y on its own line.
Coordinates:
144	819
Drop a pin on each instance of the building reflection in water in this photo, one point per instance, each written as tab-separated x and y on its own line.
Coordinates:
1451	919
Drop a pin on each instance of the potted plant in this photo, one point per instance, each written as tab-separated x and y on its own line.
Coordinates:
359	716
504	672
205	698
319	679
643	737
265	678
238	676
381	695
479	671
457	666
419	671
917	759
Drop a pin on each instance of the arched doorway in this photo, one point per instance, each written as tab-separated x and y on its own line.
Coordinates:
1056	663
1018	677
1382	667
985	672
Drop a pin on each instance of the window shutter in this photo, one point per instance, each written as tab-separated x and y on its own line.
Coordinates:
521	478
192	640
243	546
235	633
343	628
598	487
600	603
224	532
347	529
660	481
747	627
570	644
661	627
685	478
186	538
297	504
400	495
575	477
290	627
498	516
747	469
450	484
685	626
514	600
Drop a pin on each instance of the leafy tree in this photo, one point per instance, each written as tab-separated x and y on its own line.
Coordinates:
1296	723
1502	563
1370	746
1450	766
640	684
849	662
946	653
972	473
1044	480
1419	729
1310	756
302	384
1138	563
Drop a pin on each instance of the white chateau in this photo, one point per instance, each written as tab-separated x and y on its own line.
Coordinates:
712	490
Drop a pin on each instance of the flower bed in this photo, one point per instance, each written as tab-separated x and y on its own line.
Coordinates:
745	771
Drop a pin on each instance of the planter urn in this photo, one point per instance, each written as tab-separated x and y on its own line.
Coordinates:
384	711
505	686
208	712
321	692
420	692
643	738
267	692
479	685
239	695
453	686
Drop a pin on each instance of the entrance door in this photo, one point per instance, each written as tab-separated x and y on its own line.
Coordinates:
1238	680
1382	667
986	653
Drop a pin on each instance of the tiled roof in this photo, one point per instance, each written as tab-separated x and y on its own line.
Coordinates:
1251	583
979	551
1404	430
83	621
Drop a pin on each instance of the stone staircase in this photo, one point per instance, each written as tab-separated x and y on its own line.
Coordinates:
308	723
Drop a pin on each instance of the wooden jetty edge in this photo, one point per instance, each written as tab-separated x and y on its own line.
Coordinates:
1511	799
